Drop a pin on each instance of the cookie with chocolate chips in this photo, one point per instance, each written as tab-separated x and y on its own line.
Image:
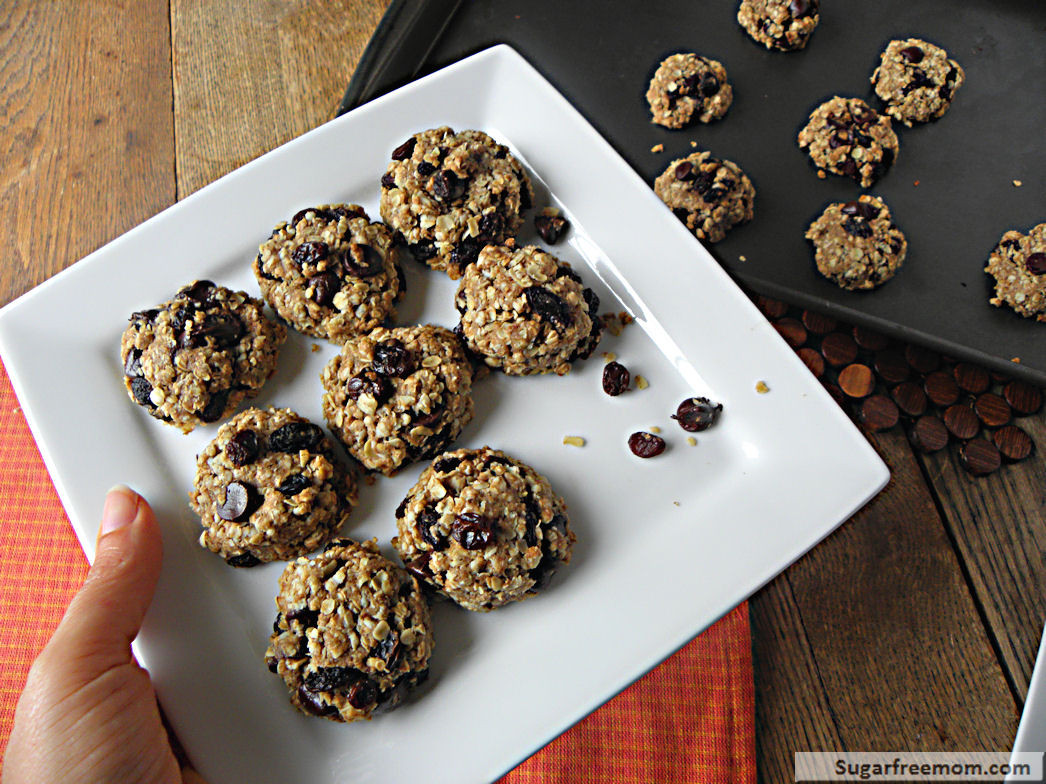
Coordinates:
524	311
1018	265
846	136
709	195
784	25
352	635
916	80
857	245
193	359
687	88
448	194
483	528
269	487
330	272
394	396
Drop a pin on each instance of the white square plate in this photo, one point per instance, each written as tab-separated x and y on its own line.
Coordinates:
665	546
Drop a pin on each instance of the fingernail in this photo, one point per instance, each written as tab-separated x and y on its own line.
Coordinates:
121	507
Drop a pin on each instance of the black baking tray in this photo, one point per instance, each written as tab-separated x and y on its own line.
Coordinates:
951	189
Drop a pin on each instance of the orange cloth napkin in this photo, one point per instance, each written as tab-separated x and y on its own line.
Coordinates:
689	720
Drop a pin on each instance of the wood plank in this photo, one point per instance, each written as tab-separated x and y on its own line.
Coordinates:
791	709
88	147
999	525
903	656
251	75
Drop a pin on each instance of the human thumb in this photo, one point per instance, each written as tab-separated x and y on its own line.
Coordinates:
106	615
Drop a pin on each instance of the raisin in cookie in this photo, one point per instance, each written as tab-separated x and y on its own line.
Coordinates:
394	396
525	311
193	359
709	195
857	245
448	194
330	272
353	633
785	25
846	136
483	529
916	80
269	487
1018	265
688	87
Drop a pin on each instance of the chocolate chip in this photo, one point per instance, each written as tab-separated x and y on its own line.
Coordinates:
132	365
215	407
1024	398
645	444
591	305
549	306
422	251
419	568
709	85
241	499
715	195
295	436
563	271
801	8
313	704
550	227
388	180
141	391
862	208
980	457
392	358
684	171
294	484
929	434
369	383
703	183
472	531
697	413
181	317
331	678
324	287
856	227
346	212
918	79
616	378
912	54
362	693
961	421
310	253
543	572
243	560
405	150
1013	443
1036	263
446	464
141	317
224	329
306	617
848	167
242	448
300	215
428	420
202	291
362	261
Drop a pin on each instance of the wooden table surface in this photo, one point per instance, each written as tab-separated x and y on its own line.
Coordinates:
913	627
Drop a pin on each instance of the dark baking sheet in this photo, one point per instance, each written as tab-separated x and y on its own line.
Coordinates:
601	56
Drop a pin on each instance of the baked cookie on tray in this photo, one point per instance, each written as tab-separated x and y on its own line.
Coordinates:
398	395
686	88
331	272
193	359
857	245
352	634
448	194
483	528
846	136
1018	265
524	311
785	25
916	80
268	487
709	195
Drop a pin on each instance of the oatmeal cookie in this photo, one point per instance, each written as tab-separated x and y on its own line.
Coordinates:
709	195
269	487
916	80
483	528
330	272
846	136
688	87
1018	265
857	245
352	634
448	194
785	25
394	396
525	311
193	359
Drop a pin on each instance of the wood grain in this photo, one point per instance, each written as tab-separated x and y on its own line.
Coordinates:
251	75
87	149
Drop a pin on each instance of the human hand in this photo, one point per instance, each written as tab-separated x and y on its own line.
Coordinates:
88	714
